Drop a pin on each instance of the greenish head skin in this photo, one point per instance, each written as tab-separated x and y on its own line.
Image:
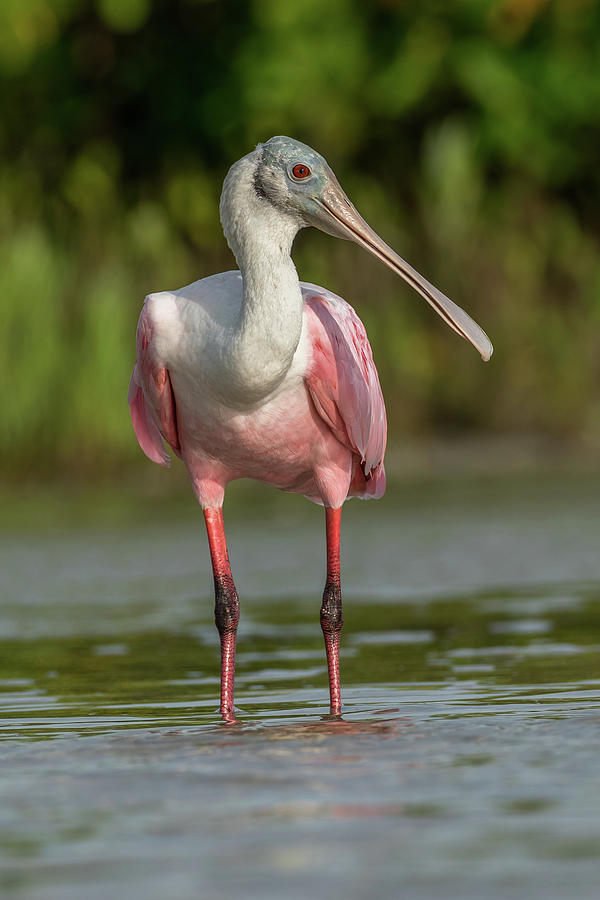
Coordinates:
303	196
300	184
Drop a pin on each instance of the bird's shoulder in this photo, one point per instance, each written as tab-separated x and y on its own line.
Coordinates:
335	315
219	291
192	310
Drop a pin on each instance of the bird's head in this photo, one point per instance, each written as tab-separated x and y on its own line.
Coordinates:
299	182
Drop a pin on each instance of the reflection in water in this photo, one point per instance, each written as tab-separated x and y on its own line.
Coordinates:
467	657
464	764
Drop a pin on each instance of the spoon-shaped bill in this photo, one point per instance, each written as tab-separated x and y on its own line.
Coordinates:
338	216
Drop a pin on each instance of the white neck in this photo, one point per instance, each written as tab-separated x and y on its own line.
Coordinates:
270	322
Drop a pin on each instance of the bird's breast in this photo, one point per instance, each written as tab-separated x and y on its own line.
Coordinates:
272	441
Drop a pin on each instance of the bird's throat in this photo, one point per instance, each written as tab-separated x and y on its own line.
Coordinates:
268	329
269	326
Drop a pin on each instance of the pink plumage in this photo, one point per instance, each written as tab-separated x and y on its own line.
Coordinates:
344	385
252	374
151	399
340	379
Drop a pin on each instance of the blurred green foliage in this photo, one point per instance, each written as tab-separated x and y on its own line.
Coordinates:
467	133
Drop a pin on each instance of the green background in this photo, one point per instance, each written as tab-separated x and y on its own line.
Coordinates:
466	133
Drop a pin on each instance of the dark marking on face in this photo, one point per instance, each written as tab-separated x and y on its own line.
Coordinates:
258	186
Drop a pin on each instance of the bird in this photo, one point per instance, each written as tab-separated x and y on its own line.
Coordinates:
254	374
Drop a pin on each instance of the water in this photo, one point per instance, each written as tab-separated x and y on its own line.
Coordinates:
466	764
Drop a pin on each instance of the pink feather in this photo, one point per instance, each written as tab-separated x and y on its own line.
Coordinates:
344	386
151	399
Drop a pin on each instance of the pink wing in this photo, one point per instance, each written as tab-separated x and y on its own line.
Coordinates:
343	383
151	399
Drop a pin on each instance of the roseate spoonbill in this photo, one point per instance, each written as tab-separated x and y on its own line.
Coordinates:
255	374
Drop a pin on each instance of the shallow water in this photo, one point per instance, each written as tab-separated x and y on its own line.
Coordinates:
466	763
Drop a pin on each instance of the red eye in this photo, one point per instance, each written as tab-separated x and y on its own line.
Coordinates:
300	171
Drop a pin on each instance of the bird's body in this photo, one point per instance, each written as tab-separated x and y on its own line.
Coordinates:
255	374
317	428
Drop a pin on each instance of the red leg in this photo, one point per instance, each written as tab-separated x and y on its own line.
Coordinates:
227	607
331	610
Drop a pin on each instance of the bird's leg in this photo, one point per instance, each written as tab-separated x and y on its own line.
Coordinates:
331	609
227	607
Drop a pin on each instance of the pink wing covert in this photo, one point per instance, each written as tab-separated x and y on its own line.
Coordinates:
151	400
344	385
